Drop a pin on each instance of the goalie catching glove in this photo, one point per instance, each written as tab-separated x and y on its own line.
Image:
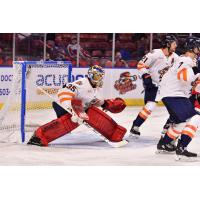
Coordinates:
116	105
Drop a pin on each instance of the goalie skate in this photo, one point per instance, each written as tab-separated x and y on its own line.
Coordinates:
118	144
34	140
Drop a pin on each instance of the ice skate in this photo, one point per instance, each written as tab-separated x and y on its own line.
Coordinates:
134	132
183	154
35	141
165	148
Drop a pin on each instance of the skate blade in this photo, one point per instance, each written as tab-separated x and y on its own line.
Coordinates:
134	137
164	152
186	159
118	144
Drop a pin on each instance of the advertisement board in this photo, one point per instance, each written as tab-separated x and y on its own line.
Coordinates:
120	82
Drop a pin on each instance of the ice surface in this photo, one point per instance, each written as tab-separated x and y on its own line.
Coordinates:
83	147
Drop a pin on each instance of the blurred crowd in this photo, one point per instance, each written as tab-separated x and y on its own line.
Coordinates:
95	48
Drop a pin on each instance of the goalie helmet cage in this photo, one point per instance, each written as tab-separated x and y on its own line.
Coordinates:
25	96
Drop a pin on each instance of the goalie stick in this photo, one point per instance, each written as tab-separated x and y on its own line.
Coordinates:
113	144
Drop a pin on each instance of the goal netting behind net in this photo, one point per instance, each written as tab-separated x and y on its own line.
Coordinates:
27	107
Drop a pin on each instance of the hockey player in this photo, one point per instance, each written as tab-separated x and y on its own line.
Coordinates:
195	96
81	100
174	91
152	67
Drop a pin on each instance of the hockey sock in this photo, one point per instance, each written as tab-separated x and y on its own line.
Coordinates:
138	121
167	139
185	140
188	132
166	126
142	116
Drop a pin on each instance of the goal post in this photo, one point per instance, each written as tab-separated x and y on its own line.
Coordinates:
26	106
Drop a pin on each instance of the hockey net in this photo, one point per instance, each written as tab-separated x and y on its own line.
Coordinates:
27	107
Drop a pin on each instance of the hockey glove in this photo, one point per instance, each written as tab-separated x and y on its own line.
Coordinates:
147	81
116	105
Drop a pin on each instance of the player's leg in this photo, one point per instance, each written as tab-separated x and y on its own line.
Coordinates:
186	137
167	141
58	110
175	107
105	125
181	110
54	129
169	123
150	104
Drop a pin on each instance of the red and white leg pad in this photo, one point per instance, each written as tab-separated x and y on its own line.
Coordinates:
98	120
55	129
105	125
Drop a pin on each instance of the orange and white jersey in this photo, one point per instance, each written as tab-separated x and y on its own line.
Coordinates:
80	89
178	81
156	64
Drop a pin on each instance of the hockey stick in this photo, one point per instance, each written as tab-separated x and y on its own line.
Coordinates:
69	110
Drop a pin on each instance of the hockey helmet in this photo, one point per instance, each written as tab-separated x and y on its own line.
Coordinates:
191	43
167	40
96	74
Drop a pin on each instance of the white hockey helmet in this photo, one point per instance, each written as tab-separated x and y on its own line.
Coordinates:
96	75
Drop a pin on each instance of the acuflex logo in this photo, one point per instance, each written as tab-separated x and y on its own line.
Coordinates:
55	79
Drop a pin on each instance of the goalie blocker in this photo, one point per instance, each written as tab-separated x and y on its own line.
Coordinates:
98	120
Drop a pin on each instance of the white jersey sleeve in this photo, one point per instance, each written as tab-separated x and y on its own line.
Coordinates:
145	63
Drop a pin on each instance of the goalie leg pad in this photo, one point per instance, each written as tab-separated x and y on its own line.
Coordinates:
118	133
105	125
55	129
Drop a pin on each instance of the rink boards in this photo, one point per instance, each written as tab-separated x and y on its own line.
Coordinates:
120	82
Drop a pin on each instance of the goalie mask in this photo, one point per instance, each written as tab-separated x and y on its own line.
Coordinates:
96	74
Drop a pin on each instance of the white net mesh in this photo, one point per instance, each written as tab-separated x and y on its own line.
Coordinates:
49	76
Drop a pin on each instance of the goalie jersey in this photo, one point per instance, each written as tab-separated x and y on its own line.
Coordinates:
156	64
82	90
178	81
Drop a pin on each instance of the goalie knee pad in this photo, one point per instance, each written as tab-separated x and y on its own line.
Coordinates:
105	125
55	129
